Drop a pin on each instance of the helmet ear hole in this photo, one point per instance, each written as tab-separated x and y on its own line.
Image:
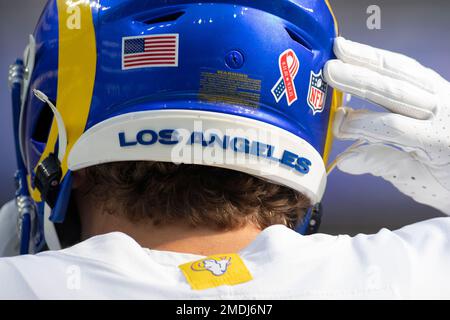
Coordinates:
165	18
299	39
43	124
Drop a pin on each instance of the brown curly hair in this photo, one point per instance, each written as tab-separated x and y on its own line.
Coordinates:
218	198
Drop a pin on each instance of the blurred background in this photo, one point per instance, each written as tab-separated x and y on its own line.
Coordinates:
352	204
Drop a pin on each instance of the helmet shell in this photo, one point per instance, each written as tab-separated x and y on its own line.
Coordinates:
229	60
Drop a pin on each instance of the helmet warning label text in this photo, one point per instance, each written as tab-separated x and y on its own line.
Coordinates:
229	87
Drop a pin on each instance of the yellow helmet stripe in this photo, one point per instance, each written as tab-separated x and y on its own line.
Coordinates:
336	102
336	25
76	74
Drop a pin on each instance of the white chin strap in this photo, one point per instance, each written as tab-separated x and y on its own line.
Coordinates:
51	236
62	135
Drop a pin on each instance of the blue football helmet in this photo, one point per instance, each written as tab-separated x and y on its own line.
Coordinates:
230	83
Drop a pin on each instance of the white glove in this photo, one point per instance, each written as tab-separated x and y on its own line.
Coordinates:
411	146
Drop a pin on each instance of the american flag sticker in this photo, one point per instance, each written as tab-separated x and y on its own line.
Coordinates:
159	50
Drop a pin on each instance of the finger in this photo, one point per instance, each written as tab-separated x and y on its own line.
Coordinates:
391	64
376	159
395	95
407	174
376	127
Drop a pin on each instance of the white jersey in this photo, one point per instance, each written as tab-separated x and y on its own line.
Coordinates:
9	240
413	262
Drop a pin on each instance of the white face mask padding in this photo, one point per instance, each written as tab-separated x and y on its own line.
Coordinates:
29	61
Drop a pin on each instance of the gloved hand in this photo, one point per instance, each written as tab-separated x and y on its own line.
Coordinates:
409	147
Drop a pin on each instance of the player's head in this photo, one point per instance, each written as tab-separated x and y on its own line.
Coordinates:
225	84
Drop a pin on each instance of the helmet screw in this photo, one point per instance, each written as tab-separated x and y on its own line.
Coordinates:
234	59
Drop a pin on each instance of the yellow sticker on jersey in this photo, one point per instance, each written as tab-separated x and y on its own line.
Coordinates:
215	271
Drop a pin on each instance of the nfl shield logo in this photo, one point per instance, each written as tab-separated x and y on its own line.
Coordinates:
317	94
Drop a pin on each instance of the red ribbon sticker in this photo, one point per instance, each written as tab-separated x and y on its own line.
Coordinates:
289	66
